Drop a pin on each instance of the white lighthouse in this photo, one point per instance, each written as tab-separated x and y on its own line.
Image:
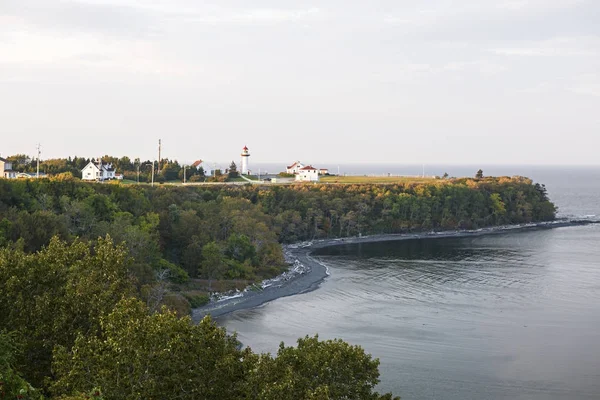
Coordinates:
245	156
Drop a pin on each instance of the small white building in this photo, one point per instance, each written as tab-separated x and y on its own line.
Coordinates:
323	171
294	168
308	174
91	172
6	170
30	175
205	166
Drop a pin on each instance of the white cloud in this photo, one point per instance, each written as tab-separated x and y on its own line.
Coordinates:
250	69
258	16
31	50
414	18
537	5
558	47
541	87
484	67
587	84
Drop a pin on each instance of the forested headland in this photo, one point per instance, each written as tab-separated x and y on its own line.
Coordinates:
95	279
231	236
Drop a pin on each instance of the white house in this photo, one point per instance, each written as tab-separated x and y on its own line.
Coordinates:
294	168
91	172
323	171
308	174
6	170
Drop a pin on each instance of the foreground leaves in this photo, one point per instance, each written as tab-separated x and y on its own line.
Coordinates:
315	369
158	356
139	355
51	296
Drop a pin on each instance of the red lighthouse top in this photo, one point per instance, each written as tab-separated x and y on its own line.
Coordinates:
246	148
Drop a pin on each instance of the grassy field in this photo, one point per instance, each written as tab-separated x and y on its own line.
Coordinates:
375	179
323	179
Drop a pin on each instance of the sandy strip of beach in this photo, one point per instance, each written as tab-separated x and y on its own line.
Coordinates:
312	273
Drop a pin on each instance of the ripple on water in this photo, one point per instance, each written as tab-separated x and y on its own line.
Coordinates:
507	316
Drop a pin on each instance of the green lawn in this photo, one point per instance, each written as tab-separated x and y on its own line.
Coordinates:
376	179
323	179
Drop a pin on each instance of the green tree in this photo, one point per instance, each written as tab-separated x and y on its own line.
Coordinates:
170	171
192	255
479	174
51	296
316	369
498	207
240	248
37	228
12	385
213	264
233	172
153	356
124	164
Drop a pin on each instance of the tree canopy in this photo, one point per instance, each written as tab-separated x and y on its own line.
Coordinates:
92	279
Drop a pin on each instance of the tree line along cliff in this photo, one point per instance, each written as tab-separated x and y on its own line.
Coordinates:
235	232
84	270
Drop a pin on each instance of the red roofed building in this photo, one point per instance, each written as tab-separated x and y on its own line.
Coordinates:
294	168
205	166
308	174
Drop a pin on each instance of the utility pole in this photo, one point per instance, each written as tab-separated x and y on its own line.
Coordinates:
138	175
159	149
100	169
152	173
184	174
38	160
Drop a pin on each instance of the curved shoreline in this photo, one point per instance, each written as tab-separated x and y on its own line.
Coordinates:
307	273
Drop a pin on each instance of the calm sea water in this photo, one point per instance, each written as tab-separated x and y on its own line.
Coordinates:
514	316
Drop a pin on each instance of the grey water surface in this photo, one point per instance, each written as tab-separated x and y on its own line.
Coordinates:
509	316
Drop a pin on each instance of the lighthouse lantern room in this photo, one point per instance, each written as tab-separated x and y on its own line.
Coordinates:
245	156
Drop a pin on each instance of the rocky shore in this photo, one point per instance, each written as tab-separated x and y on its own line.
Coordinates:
306	273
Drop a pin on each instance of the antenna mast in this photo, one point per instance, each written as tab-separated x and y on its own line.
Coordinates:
39	151
159	149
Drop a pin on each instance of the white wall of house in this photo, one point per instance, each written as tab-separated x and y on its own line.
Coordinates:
90	172
108	172
294	168
207	169
6	170
308	175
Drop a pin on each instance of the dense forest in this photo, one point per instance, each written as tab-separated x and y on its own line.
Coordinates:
96	277
72	327
234	233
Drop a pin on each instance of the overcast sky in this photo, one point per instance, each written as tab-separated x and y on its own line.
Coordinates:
327	81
